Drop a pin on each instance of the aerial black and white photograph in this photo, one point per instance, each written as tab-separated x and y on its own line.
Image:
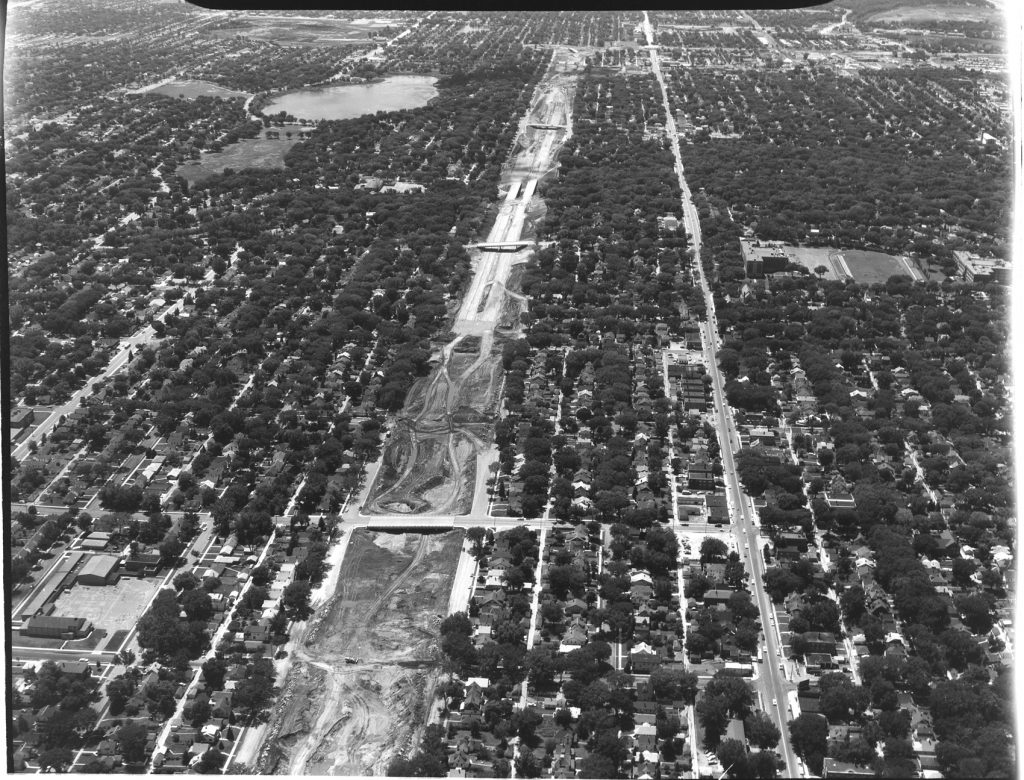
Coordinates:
510	393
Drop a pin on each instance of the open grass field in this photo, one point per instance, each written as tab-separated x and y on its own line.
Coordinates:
248	153
937	12
113	607
307	32
193	89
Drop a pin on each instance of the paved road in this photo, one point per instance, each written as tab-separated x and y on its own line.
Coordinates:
771	687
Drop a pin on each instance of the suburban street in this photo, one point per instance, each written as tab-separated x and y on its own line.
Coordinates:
328	326
117	362
120	359
770	682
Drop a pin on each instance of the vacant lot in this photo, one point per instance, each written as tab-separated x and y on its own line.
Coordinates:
364	673
193	89
112	607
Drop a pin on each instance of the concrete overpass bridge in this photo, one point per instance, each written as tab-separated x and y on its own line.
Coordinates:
396	523
501	246
508	246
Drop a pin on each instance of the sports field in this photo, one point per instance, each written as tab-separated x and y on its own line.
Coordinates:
870	267
861	265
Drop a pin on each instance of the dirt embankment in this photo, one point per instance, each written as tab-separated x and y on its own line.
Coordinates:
363	676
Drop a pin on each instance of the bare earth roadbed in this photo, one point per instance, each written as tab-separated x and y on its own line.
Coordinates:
341	718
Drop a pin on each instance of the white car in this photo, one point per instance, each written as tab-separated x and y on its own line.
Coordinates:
775	702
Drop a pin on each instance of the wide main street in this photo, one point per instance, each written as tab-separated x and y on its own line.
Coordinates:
768	683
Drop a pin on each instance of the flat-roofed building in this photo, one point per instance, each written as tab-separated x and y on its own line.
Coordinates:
763	257
975	268
99	570
53	627
21	418
97	540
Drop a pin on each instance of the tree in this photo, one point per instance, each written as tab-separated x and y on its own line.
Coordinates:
214	670
187	580
809	736
160	699
598	764
852	603
714	717
212	761
125	657
670	685
475	536
712	549
56	758
541	667
131	738
895	723
563	579
119	690
161	630
840	699
763	764
295	600
197	604
899	758
734	691
526	764
960	648
171	548
733	755
253	693
974	609
761	730
525	723
200	713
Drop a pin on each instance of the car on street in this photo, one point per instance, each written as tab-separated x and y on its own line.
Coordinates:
775	702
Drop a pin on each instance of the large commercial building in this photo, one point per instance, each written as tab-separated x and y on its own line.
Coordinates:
52	627
762	257
99	570
974	268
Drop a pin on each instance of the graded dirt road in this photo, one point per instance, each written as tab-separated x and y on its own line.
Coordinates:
363	676
445	432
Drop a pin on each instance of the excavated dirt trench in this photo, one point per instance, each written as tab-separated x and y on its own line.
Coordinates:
429	465
364	672
363	676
